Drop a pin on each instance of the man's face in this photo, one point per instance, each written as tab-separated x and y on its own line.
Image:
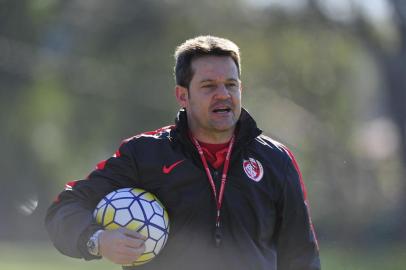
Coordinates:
213	100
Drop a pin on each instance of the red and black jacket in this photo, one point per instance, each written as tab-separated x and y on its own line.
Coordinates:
265	217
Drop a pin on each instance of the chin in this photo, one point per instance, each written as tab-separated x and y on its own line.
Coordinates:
224	128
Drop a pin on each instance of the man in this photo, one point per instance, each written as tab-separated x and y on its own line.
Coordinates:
235	198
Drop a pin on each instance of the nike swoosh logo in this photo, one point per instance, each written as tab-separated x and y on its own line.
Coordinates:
167	170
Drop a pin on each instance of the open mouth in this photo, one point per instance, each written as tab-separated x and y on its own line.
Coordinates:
222	110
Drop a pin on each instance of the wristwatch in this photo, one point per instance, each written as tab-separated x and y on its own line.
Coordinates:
93	244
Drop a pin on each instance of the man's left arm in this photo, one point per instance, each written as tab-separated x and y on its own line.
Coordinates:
296	242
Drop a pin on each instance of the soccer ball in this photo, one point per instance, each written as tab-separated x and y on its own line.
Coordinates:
138	210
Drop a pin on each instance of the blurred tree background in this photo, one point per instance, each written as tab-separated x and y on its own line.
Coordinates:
326	78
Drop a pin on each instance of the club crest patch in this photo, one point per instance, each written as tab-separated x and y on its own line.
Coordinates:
253	169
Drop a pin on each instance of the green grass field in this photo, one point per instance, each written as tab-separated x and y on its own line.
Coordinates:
376	258
44	257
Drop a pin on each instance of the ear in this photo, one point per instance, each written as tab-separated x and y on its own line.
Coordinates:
182	95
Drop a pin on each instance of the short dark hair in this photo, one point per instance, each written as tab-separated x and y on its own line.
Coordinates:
198	47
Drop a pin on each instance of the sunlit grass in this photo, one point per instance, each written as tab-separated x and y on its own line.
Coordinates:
43	256
374	258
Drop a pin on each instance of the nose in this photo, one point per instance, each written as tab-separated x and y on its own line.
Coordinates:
222	92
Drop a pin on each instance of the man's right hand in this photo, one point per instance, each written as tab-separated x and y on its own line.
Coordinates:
121	246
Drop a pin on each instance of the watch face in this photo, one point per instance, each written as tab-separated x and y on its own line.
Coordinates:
91	246
93	243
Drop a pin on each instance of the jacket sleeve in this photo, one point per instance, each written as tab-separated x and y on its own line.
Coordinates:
296	242
69	219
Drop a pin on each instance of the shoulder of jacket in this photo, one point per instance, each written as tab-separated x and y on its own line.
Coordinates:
277	149
271	144
151	136
274	148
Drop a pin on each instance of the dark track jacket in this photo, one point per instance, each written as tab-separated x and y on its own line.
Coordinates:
265	216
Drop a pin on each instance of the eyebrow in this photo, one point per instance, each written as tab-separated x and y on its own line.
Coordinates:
210	80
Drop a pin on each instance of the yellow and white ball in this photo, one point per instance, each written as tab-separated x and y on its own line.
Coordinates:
138	210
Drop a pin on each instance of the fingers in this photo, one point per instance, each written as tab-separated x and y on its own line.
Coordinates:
128	255
133	234
131	252
121	246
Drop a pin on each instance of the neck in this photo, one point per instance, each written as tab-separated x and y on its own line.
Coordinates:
213	138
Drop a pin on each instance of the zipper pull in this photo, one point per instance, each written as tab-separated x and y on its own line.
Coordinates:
217	236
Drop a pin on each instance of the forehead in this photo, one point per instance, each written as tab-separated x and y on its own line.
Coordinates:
214	67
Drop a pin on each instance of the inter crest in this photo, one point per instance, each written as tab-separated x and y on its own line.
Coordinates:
253	169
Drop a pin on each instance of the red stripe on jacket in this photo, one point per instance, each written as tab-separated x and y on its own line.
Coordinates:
302	185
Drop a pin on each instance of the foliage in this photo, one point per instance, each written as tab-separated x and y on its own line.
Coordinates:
77	77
